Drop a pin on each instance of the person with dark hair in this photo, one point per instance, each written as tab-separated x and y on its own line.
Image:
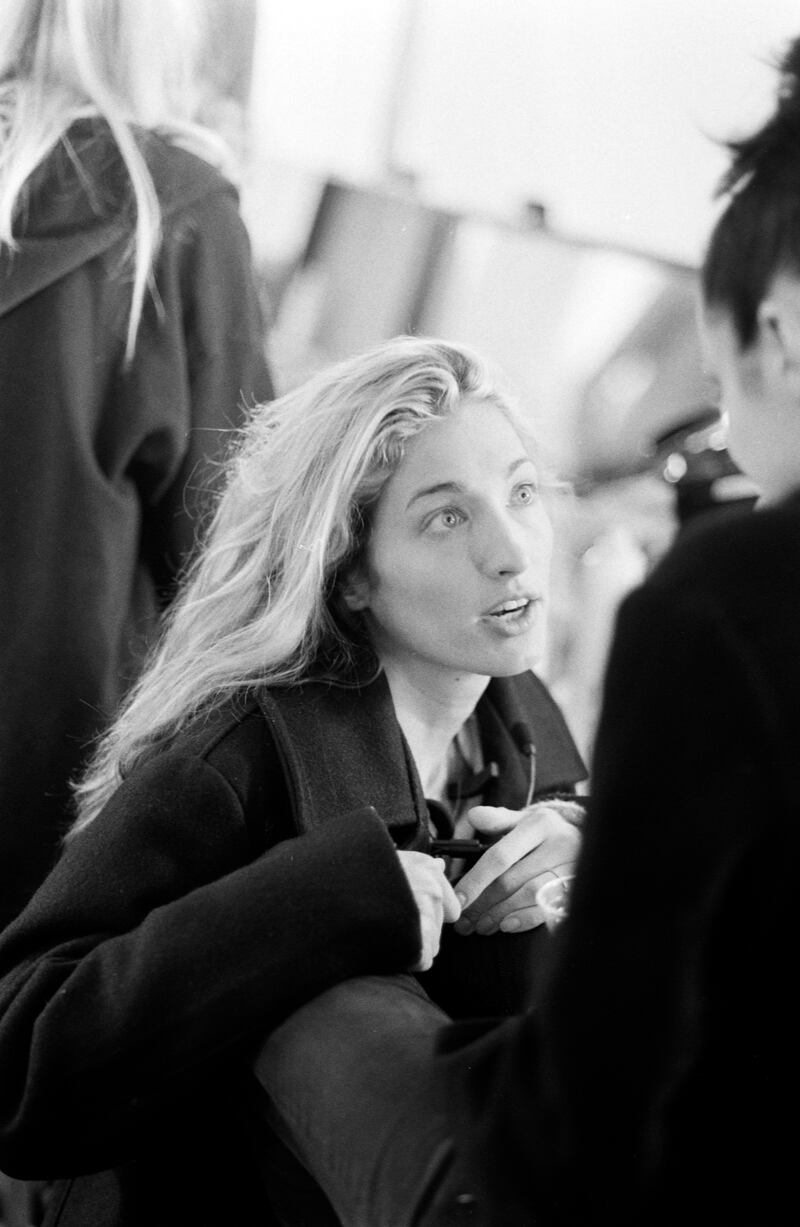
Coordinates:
657	1081
757	237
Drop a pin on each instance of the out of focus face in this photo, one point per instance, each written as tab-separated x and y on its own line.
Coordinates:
741	386
459	556
760	396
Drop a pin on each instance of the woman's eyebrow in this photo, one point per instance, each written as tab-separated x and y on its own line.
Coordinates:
442	487
456	487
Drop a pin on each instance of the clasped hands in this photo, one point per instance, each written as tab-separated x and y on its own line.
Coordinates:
498	894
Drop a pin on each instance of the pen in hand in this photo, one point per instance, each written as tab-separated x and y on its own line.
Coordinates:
468	850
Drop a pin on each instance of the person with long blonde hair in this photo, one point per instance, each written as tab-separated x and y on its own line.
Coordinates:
343	678
131	341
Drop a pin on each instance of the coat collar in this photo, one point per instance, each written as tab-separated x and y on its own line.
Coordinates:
342	749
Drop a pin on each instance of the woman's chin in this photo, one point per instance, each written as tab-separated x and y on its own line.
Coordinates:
518	658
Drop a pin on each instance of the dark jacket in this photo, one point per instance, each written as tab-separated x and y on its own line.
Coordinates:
231	878
658	1083
103	469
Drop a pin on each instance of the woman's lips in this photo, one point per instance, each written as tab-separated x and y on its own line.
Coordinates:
513	616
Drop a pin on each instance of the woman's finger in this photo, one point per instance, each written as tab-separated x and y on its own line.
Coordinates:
494	820
542	840
451	906
516	890
523	920
522	900
552	855
520	907
497	859
430	924
436	901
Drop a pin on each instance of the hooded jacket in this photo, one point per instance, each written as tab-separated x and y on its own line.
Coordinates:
103	466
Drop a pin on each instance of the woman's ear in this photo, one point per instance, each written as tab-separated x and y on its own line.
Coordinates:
354	590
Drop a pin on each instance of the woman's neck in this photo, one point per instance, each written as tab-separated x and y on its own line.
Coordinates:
431	714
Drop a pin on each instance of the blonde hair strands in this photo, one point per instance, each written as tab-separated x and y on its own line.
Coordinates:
130	62
258	605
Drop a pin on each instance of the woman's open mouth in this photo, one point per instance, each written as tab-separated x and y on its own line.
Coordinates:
513	617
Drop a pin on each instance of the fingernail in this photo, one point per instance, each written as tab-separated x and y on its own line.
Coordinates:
463	925
509	925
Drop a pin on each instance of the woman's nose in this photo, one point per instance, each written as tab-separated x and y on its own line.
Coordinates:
506	547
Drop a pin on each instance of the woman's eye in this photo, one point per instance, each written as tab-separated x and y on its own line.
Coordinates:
525	493
447	518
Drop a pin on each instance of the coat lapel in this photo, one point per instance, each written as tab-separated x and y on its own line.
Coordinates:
526	699
342	749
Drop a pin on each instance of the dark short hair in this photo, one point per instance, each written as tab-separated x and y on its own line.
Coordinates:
758	232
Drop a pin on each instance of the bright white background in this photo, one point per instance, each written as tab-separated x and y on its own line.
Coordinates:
602	110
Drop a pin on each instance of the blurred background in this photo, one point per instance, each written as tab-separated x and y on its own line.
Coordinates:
533	178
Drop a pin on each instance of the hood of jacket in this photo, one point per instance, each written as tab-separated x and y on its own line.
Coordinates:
79	204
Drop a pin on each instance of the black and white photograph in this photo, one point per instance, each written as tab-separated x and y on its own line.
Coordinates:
399	612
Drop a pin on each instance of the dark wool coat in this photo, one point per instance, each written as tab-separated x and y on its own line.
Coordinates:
231	878
659	1083
103	469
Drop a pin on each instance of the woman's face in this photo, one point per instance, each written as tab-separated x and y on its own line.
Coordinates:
458	561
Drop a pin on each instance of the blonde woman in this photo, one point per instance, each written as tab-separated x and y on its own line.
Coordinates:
346	666
130	334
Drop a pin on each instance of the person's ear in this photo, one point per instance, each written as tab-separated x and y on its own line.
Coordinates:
354	591
779	329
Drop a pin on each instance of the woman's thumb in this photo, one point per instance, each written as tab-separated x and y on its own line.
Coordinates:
493	819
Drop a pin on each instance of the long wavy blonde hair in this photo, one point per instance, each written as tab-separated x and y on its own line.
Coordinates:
259	605
133	63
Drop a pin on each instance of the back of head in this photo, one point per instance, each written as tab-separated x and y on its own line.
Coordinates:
758	232
135	58
131	62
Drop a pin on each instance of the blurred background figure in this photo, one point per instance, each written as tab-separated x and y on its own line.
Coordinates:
131	337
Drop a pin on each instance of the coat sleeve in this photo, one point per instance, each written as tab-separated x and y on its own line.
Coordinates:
199	367
575	1111
157	950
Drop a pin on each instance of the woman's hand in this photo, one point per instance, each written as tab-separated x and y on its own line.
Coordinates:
435	899
499	891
